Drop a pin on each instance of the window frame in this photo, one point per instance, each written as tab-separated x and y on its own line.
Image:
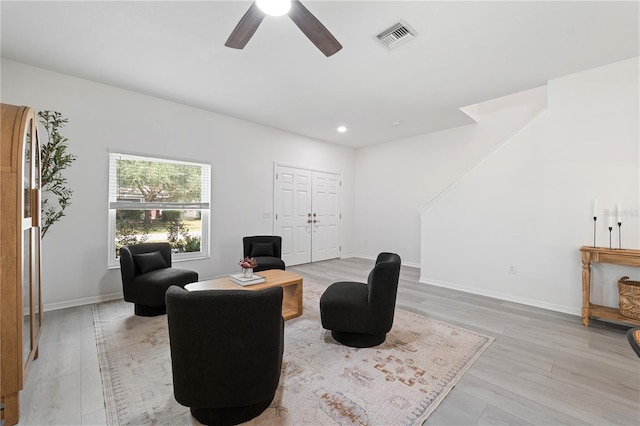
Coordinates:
113	262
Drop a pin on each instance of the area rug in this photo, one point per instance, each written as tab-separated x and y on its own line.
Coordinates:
399	382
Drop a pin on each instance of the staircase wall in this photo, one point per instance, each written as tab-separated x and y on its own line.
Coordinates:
511	227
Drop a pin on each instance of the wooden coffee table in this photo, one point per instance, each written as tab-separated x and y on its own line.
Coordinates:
291	285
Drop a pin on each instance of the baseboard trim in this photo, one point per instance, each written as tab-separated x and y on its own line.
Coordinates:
363	256
438	283
82	301
503	296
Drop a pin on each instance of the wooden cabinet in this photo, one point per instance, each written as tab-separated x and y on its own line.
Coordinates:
590	255
20	296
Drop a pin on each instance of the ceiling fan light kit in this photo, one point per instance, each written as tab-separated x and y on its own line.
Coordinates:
300	15
274	7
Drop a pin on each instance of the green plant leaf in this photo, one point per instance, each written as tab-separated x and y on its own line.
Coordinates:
56	194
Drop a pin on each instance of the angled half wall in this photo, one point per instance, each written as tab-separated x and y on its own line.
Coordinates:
511	227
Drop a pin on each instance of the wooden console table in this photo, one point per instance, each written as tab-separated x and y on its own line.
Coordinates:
604	255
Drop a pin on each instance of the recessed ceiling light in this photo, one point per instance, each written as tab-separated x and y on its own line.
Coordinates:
342	129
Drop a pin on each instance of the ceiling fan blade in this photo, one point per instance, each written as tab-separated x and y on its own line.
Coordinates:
245	29
313	29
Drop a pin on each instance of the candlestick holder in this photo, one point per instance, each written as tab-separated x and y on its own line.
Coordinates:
619	235
595	218
610	229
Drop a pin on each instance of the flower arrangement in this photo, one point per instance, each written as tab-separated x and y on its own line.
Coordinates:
248	263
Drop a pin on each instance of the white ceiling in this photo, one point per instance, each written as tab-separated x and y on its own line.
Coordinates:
465	53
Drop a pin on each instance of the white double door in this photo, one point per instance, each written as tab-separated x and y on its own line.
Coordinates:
307	214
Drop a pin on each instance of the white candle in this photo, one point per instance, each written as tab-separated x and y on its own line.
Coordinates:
619	213
595	208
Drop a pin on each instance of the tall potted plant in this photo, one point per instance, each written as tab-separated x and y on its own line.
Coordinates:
56	194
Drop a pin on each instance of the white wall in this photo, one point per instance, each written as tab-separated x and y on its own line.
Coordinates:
104	118
394	180
529	203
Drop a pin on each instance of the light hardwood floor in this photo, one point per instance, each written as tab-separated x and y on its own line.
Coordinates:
544	367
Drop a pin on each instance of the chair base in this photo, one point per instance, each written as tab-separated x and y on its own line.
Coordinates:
633	336
358	340
149	311
230	415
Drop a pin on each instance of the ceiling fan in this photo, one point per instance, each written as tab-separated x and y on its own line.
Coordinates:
300	15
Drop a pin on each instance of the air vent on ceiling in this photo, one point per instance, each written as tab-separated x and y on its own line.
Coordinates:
396	35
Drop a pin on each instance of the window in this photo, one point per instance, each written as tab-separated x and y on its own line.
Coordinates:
156	200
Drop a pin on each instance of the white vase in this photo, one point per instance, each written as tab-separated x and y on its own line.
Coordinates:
247	272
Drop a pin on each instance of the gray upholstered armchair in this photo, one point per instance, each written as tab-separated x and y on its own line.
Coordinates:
147	274
226	351
361	314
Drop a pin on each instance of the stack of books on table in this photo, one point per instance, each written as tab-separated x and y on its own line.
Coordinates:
243	281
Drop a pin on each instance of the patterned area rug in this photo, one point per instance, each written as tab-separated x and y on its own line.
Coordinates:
399	382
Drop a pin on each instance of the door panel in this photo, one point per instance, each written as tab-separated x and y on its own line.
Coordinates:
326	216
293	207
